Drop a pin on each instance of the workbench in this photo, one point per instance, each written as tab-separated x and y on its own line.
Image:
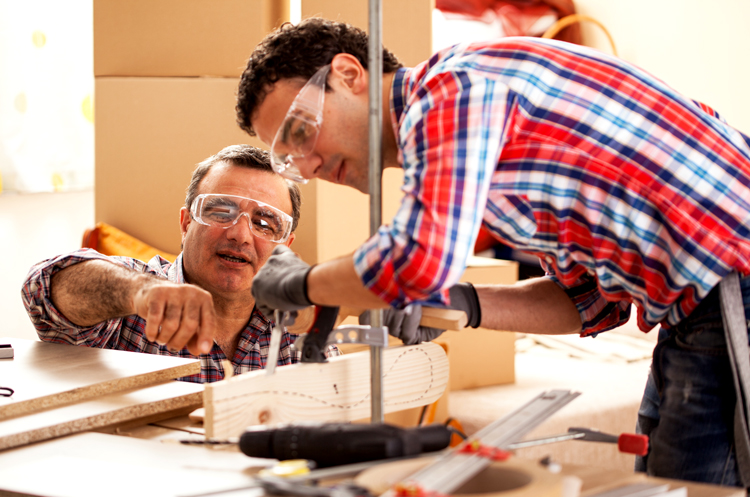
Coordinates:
141	455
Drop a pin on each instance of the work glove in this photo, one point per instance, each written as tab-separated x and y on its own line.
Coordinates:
404	324
281	284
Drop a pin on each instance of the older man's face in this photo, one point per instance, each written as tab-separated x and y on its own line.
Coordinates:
224	261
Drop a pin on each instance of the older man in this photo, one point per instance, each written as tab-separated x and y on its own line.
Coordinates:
236	211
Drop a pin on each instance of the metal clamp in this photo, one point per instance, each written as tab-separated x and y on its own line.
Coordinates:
358	333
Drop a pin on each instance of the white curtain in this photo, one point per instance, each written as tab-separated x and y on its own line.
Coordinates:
46	95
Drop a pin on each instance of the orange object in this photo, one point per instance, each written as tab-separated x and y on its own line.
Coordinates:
109	240
492	453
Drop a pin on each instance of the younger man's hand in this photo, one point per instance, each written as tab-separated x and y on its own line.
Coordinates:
281	283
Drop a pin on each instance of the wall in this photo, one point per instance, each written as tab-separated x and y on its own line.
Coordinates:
697	47
34	227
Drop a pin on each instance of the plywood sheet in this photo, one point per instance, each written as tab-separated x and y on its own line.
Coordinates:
338	390
103	411
94	464
46	375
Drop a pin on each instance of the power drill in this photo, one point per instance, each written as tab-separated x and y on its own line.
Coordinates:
334	444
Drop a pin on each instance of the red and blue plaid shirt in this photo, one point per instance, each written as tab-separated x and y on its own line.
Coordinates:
127	333
626	190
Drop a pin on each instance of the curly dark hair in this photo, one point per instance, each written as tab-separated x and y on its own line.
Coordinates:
242	156
297	52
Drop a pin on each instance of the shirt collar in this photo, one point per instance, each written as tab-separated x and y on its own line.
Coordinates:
176	273
399	93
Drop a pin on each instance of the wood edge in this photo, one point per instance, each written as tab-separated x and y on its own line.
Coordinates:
122	415
153	418
444	319
76	395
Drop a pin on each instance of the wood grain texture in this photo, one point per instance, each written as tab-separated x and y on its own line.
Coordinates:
433	317
46	375
104	411
444	319
338	390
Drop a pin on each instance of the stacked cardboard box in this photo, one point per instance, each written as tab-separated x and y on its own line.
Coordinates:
166	78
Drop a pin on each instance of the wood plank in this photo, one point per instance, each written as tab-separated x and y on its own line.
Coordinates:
104	411
434	317
338	390
46	375
95	464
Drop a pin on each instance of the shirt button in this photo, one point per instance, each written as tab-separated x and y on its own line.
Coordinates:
549	259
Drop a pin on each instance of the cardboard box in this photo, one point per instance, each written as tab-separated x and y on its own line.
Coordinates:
481	357
407	24
150	134
180	37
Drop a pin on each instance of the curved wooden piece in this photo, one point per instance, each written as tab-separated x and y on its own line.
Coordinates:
511	478
338	390
574	18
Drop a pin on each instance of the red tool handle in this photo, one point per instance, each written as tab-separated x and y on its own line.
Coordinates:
630	443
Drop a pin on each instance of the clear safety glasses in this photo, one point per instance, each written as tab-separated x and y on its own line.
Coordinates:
299	130
224	211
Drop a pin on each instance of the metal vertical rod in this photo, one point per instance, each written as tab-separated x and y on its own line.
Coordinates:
375	70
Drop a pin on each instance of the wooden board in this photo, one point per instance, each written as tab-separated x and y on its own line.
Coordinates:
95	464
173	398
46	375
338	390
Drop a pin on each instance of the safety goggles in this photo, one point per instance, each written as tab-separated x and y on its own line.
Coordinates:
300	128
224	211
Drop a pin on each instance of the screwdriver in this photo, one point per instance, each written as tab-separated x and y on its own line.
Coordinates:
629	443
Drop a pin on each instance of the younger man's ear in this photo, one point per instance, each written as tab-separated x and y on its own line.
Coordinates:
347	69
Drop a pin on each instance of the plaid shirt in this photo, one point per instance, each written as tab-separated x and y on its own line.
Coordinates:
626	190
128	333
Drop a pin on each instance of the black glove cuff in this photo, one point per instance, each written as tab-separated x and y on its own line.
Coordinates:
304	286
464	297
298	289
476	310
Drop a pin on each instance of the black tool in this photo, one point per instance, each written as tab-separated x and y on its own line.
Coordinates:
335	444
316	340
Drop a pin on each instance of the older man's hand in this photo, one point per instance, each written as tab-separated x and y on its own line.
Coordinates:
177	316
281	283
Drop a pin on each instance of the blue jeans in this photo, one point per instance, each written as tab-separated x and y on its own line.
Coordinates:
688	404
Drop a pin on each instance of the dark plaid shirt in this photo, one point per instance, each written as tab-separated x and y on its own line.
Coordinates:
127	333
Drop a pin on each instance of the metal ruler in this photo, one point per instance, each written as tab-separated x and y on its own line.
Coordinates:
452	470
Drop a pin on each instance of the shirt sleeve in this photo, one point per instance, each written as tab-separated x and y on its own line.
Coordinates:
597	313
52	326
450	137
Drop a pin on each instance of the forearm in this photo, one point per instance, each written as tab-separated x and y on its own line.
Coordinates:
537	305
96	290
336	283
